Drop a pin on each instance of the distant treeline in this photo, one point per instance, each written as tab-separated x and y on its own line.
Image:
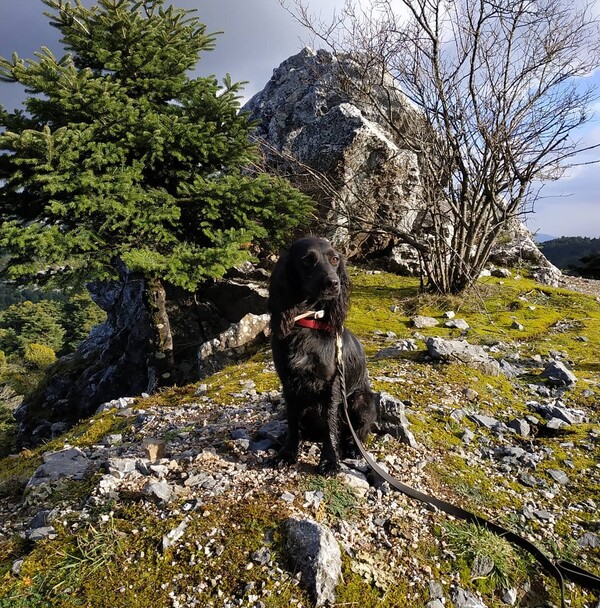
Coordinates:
578	254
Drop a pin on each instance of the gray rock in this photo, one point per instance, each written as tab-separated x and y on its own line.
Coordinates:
115	404
69	463
467	436
516	325
589	539
457	324
42	533
120	467
160	490
16	566
390	409
518	248
434	604
175	535
557	374
465	599
482	566
463	352
316	554
39	520
483	420
391	419
263	445
470	394
421	322
249	330
510	370
559	476
311	113
436	591
240	434
393	352
356	480
276	430
520	426
528	480
501	273
510	596
555	424
113	439
201	390
560	411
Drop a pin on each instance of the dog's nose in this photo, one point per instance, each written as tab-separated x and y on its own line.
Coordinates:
332	283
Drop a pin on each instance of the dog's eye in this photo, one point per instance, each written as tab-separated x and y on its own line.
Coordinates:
335	260
310	259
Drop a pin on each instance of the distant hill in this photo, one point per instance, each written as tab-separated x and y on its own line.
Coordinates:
567	252
540	237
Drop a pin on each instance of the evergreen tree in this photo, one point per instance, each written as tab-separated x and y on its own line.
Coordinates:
25	323
122	158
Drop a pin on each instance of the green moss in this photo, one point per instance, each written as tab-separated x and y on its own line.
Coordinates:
135	573
339	501
227	383
119	563
357	590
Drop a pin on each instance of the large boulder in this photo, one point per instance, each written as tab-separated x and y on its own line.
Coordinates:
314	124
317	125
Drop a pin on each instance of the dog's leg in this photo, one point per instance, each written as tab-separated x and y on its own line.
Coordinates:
362	412
289	452
329	463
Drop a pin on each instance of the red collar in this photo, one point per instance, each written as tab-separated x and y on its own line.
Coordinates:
314	324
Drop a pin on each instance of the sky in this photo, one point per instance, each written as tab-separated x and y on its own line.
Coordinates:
257	36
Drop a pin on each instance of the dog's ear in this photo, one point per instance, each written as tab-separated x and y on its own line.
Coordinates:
340	306
344	279
283	298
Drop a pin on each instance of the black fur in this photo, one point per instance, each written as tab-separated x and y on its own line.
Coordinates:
311	275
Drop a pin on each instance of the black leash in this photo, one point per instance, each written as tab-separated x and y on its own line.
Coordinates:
559	569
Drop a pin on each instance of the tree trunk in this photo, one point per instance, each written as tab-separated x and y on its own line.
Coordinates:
161	363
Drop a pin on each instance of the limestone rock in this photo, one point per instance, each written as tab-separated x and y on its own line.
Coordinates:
457	324
391	419
317	556
463	352
70	463
465	599
517	247
421	322
250	329
311	114
558	374
117	358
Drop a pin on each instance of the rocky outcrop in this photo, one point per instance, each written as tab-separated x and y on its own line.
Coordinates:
115	359
317	126
314	124
516	248
111	362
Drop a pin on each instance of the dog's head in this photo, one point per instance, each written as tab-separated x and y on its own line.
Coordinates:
318	267
311	273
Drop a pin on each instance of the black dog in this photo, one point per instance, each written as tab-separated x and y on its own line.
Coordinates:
311	275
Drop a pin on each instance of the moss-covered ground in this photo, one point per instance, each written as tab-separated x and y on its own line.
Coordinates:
114	558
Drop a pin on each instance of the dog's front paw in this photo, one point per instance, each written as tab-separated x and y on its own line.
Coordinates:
328	468
288	455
